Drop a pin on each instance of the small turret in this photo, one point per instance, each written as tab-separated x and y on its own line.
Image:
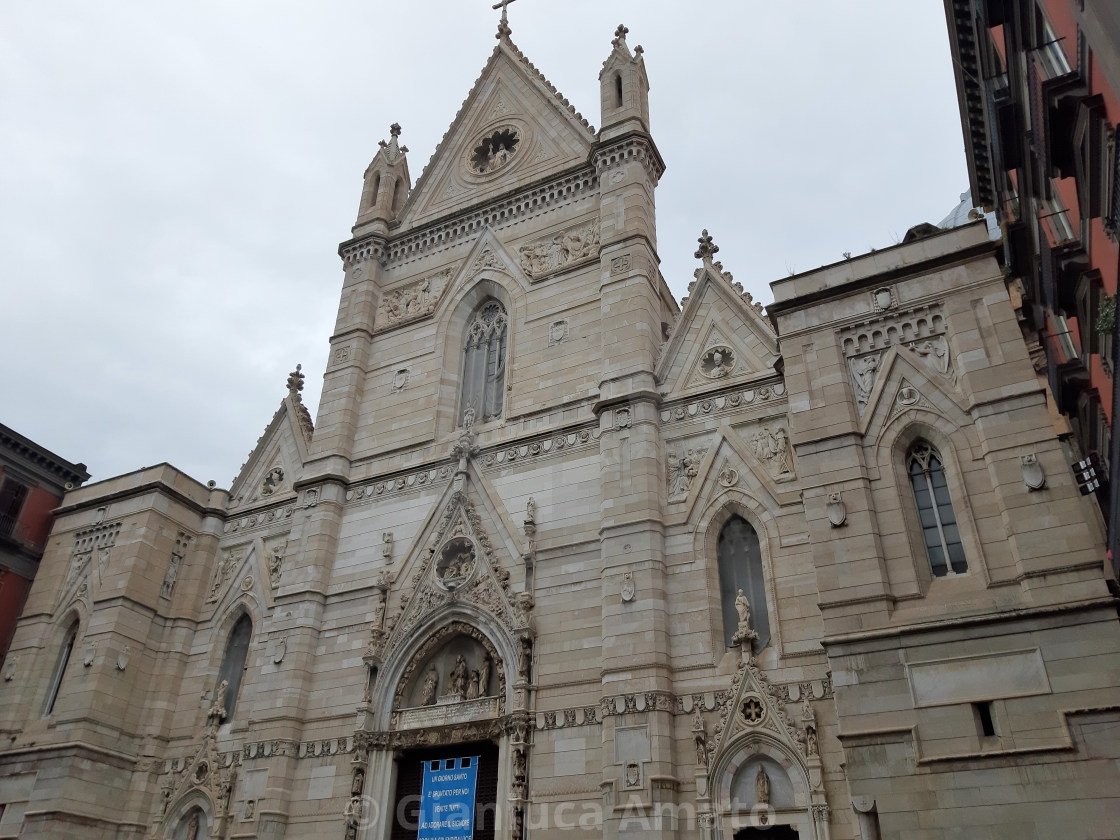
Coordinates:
386	182
624	89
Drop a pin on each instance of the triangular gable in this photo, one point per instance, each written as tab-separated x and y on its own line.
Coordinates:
902	384
716	316
277	460
726	462
464	552
487	254
510	92
754	705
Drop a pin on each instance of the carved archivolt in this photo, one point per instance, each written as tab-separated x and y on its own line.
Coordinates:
401	306
552	253
437	640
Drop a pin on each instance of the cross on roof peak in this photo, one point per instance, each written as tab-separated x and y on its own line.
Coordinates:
503	24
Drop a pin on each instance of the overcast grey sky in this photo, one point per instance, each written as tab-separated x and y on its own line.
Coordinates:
175	178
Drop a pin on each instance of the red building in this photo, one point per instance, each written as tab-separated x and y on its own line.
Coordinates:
33	481
1039	88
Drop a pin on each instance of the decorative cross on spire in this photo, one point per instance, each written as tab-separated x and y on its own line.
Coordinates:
707	249
503	25
619	35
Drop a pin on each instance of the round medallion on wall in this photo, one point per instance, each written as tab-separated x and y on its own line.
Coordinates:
456	562
494	151
717	362
752	711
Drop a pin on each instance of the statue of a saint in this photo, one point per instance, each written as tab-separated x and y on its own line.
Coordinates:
218	708
472	686
484	677
431	683
743	607
762	786
192	827
531	510
457	679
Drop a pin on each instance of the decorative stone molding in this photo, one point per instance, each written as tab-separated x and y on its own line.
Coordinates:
726	401
357	251
571	246
259	519
441	235
412	303
634	149
620	265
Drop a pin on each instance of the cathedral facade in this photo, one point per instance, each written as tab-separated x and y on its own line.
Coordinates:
560	555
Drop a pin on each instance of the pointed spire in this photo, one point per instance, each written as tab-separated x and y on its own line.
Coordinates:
295	383
707	249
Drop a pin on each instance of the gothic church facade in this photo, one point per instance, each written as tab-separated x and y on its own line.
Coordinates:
659	570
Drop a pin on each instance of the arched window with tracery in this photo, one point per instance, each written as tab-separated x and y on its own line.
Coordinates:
233	665
740	568
59	673
940	533
484	363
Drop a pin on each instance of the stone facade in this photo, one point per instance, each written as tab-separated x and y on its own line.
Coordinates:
528	562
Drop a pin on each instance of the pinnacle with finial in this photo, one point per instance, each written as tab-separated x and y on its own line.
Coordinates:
295	383
619	35
707	249
503	25
395	129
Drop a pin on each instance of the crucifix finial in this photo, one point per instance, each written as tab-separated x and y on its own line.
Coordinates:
503	24
620	35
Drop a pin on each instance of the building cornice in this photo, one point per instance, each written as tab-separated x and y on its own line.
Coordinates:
44	463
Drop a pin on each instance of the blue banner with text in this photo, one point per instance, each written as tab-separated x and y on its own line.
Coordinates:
447	799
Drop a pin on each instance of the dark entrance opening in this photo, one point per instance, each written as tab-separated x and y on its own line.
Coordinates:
410	781
778	832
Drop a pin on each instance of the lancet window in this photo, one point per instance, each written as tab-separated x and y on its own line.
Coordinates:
60	667
740	568
935	510
484	364
233	664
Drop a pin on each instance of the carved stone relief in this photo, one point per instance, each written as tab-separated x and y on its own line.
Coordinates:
552	253
558	332
772	447
920	331
400	306
226	566
682	469
182	542
717	362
